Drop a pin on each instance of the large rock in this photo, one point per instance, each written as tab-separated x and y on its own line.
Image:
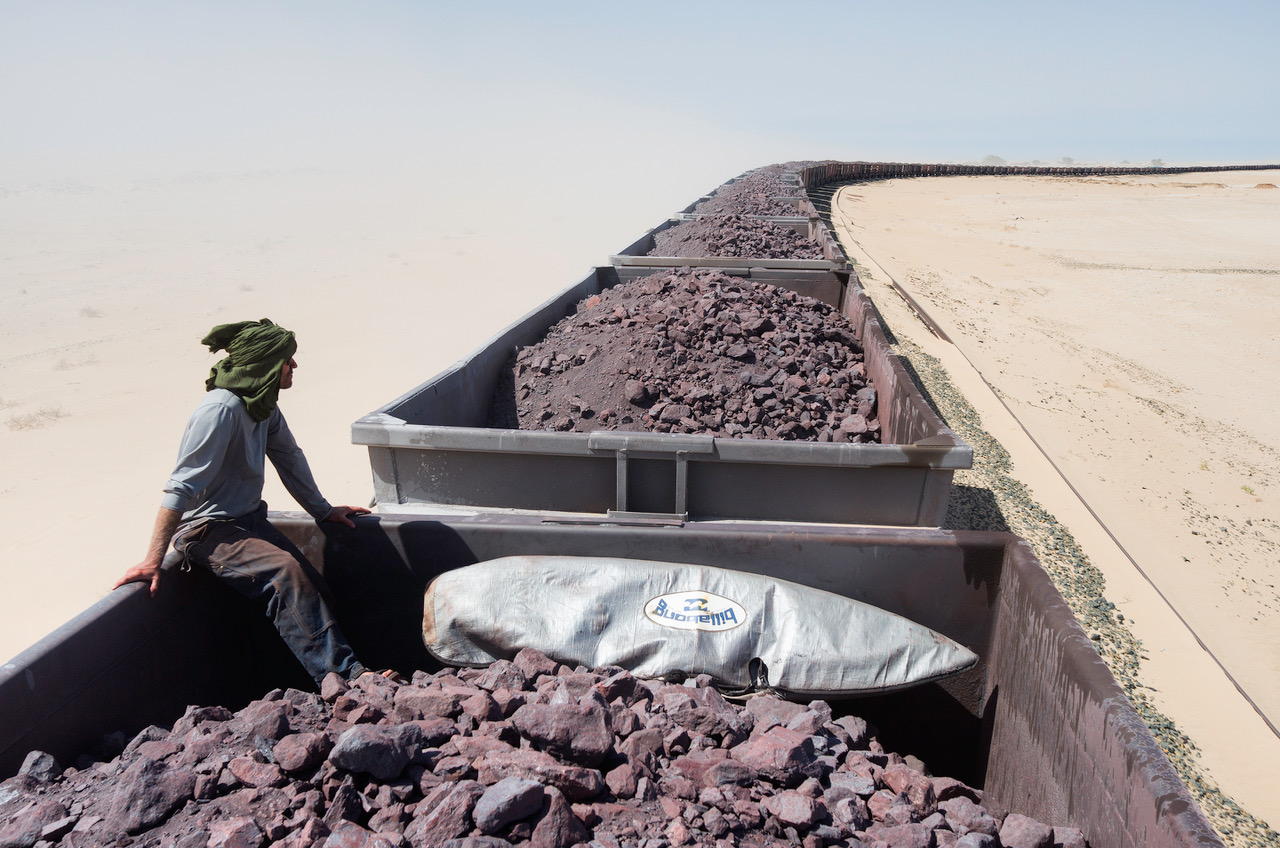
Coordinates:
884	800
301	752
770	710
27	826
860	785
714	768
783	756
332	686
580	734
946	788
557	826
623	780
268	719
40	766
964	813
577	783
792	808
906	836
852	812
151	733
531	662
252	773
481	707
643	748
508	800
147	793
502	674
235	832
1019	831
709	715
449	817
344	806
420	702
370	750
856	731
913	784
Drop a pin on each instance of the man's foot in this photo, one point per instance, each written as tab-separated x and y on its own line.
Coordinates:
389	673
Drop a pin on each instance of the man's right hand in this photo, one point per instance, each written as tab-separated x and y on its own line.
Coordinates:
144	572
148	571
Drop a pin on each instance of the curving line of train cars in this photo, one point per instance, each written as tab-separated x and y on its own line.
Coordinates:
1039	723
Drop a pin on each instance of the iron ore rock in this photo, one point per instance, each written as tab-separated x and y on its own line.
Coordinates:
527	752
687	351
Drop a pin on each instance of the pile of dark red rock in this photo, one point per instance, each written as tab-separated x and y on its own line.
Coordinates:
734	236
758	192
522	752
689	351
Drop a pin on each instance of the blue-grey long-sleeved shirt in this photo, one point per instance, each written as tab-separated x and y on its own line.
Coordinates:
222	461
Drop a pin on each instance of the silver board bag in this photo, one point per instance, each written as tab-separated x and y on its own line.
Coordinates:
674	620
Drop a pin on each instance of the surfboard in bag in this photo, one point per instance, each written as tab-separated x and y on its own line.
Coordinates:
670	620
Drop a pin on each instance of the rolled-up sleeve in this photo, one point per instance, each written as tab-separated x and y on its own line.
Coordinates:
204	444
291	465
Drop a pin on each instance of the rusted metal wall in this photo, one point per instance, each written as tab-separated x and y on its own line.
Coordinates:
1067	744
905	417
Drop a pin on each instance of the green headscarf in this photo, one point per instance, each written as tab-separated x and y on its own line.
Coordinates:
256	353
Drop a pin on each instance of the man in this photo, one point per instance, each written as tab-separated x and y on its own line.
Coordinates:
213	512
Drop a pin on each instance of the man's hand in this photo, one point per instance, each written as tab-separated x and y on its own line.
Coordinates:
148	571
144	572
342	514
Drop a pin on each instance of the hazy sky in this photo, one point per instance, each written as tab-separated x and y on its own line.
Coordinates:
733	84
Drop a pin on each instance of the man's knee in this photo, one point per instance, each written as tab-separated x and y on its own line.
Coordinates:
293	577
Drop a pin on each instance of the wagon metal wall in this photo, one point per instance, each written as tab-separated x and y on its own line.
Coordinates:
431	446
1067	744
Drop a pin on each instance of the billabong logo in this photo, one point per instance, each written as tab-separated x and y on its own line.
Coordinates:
695	611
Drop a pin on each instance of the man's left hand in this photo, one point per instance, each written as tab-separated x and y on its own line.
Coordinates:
342	514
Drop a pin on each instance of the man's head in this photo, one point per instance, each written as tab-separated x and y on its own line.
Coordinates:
259	363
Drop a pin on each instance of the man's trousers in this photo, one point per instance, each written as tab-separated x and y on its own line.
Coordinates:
257	561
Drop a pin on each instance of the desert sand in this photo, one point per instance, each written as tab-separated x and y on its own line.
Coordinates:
1117	336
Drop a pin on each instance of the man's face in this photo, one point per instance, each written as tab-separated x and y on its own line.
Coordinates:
286	373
